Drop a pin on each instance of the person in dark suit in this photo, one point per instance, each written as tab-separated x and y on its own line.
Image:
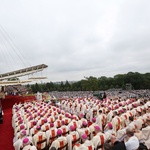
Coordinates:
104	96
53	148
116	144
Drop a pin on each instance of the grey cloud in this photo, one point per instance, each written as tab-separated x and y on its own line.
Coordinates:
78	38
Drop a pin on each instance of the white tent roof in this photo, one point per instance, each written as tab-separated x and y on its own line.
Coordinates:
22	72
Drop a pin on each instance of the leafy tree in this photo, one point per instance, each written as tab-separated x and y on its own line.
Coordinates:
137	80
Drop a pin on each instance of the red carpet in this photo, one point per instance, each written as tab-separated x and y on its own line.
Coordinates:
6	130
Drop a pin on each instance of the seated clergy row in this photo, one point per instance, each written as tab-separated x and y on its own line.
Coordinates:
44	120
74	139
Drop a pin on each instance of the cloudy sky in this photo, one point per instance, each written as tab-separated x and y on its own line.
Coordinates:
75	38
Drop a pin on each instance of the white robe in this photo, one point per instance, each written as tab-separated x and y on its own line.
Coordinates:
29	147
109	116
17	129
51	133
88	145
45	127
72	137
99	121
84	131
39	136
124	120
30	125
66	120
77	146
18	135
64	129
109	133
121	134
116	122
92	129
33	131
74	123
99	139
59	142
81	121
51	119
19	143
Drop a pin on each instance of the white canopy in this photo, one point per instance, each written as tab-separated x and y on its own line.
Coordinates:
22	72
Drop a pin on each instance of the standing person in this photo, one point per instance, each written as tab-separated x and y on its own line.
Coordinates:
132	142
117	145
101	119
104	96
146	133
1	119
53	148
2	96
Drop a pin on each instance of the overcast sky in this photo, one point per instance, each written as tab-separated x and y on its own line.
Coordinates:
75	38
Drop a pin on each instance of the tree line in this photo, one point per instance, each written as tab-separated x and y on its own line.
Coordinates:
119	81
